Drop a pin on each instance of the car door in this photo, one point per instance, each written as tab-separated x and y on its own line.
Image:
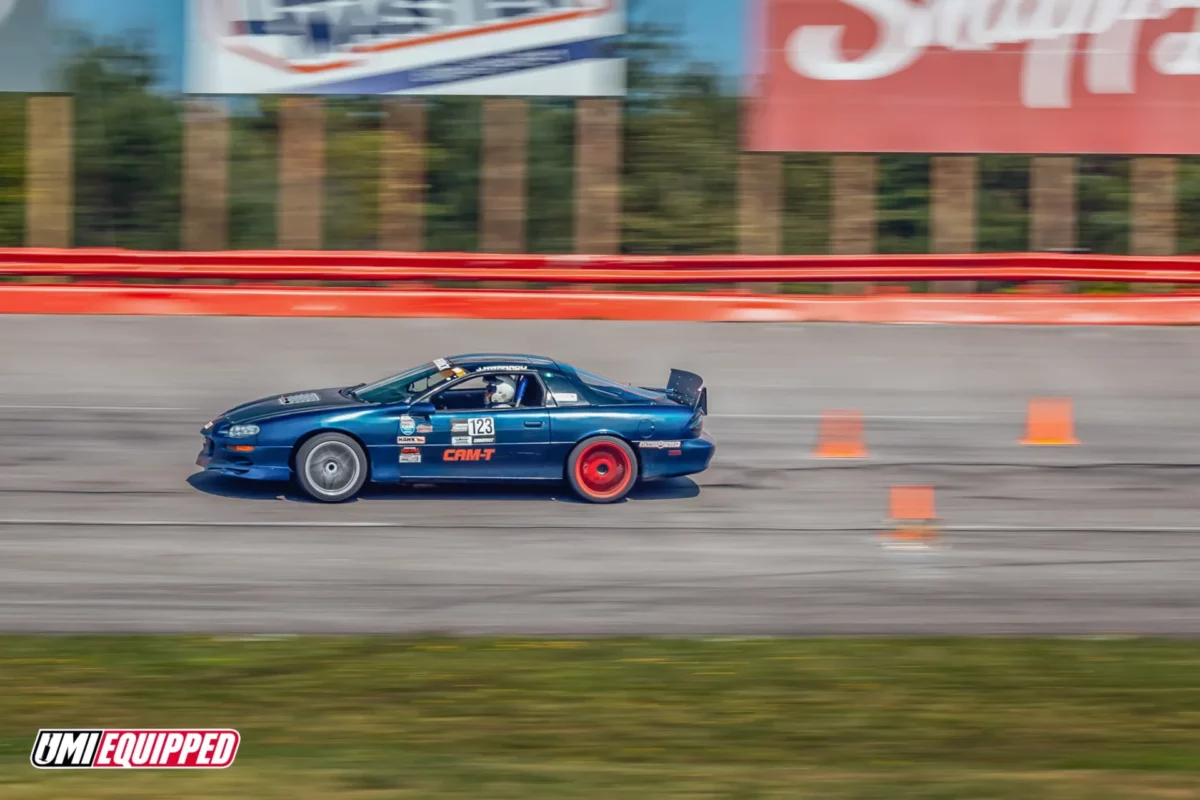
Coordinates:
463	440
392	432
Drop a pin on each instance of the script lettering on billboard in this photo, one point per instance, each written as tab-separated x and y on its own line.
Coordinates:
978	76
1048	29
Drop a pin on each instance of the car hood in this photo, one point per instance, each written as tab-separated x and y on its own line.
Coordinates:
289	403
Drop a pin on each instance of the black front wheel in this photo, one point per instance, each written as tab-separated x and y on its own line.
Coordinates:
331	467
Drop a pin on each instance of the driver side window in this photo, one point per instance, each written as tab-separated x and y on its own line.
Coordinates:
467	395
422	385
471	394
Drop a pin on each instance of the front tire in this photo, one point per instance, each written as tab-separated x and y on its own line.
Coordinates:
331	467
602	469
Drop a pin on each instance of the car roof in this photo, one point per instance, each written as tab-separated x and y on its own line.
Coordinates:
477	360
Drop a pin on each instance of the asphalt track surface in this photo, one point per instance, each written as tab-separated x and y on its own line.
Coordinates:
106	525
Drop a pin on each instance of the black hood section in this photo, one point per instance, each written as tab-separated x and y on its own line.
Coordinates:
289	402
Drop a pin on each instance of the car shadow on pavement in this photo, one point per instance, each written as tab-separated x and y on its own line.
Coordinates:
236	488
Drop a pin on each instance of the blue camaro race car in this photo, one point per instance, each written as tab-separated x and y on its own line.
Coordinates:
469	418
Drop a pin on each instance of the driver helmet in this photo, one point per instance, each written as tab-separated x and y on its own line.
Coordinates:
500	391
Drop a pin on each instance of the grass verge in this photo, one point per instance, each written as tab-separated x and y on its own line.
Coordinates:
379	717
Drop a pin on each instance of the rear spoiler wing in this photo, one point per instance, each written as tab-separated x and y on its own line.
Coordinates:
688	388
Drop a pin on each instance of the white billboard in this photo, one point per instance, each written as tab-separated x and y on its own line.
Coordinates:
26	55
561	48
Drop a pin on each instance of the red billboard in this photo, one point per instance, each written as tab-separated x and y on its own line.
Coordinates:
977	76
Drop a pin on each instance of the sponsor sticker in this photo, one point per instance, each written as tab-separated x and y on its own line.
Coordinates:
410	455
209	425
441	363
660	445
135	748
410	440
408	425
565	397
424	428
481	426
459	441
502	368
459	426
469	454
484	440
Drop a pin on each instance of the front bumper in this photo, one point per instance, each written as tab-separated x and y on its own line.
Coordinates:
260	463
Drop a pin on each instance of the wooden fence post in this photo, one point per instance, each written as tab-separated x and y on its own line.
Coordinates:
1153	206
301	173
502	194
1052	197
206	175
953	214
50	172
854	219
402	184
598	145
1153	202
760	206
1053	205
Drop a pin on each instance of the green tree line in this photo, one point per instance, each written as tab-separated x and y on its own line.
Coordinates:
679	182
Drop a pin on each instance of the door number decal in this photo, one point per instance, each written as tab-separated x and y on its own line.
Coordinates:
482	426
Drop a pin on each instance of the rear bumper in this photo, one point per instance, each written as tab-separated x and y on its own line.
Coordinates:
261	463
690	457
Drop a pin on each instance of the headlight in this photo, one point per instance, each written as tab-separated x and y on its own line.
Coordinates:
242	431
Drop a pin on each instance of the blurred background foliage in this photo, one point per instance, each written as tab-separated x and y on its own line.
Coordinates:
680	156
12	170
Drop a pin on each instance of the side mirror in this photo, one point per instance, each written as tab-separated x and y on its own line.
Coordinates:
425	409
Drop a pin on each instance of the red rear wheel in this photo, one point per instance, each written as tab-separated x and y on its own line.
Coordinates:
602	470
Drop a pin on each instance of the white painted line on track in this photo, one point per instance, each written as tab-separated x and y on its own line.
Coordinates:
891	417
385	524
96	408
1071	529
886	417
177	523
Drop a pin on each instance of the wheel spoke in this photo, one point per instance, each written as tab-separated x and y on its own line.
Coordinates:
332	467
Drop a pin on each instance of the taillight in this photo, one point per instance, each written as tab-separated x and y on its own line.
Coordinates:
696	425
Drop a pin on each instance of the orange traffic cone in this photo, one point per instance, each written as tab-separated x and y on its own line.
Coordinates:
1050	422
841	435
913	518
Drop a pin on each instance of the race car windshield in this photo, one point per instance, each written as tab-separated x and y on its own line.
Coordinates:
609	389
405	386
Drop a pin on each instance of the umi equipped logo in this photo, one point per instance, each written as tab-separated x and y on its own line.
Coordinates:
172	748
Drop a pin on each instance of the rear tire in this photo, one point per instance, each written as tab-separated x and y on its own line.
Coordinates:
602	469
331	467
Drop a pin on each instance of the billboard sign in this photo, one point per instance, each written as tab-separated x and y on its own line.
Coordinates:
26	54
977	76
418	47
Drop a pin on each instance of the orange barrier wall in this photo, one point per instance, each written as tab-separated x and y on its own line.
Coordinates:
99	283
275	265
484	304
